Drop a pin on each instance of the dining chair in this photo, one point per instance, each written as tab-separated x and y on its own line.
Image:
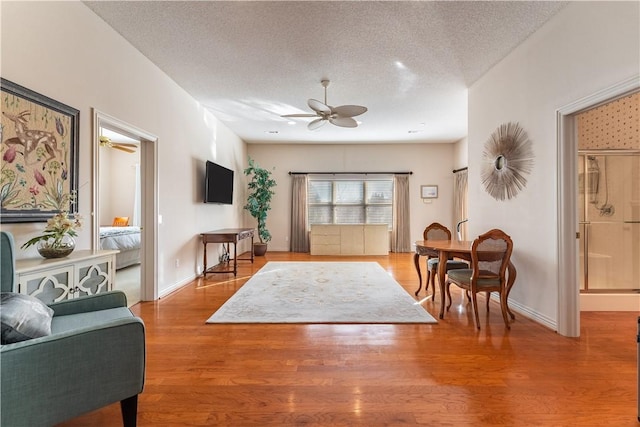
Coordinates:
490	255
437	231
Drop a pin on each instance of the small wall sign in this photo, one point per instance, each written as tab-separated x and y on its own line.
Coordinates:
429	191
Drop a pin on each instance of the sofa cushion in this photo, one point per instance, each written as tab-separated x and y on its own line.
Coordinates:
90	319
23	317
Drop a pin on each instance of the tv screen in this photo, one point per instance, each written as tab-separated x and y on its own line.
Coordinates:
218	184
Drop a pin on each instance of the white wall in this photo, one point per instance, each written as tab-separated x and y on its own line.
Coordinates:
461	154
69	54
587	47
117	184
430	164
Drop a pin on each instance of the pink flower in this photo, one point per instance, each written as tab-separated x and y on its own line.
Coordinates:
10	154
34	190
39	178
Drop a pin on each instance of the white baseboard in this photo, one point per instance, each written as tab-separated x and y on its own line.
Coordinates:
176	286
533	315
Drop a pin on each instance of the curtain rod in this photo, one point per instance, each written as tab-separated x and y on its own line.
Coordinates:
460	170
351	173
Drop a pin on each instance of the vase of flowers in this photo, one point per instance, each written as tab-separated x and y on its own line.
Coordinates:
57	241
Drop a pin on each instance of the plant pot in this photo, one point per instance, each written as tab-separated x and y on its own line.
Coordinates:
56	249
259	249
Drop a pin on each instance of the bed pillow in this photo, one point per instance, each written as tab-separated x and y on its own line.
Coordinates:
23	317
120	221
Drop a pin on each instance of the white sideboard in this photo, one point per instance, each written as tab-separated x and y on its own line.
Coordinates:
84	272
349	239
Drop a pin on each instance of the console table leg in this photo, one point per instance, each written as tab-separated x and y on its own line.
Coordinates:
235	258
204	271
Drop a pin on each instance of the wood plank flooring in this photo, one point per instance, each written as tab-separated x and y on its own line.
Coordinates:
377	375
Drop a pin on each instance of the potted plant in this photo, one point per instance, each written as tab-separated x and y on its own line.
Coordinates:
259	202
56	241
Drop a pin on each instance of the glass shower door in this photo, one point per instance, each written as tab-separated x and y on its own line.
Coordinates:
609	221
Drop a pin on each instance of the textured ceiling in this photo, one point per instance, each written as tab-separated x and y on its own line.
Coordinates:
410	63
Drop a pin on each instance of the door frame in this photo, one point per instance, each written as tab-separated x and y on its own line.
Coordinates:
149	197
568	310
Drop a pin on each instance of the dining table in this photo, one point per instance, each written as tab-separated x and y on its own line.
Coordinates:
447	249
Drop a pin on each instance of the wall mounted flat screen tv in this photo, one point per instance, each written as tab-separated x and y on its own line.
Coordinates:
218	184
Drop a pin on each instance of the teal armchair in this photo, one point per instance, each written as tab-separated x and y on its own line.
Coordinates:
95	356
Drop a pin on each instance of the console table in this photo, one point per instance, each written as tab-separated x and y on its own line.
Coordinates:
226	236
84	272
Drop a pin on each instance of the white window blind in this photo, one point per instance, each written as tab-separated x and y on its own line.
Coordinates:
350	201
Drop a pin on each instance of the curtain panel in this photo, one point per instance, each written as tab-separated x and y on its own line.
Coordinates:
299	226
460	189
400	233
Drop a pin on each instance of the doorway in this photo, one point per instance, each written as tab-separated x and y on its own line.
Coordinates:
136	264
569	301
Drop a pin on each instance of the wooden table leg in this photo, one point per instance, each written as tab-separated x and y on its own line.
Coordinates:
416	262
442	271
204	270
512	272
235	258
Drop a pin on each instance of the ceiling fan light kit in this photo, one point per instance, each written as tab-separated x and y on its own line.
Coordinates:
105	141
341	116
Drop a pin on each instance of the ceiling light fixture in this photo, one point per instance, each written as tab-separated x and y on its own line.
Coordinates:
339	116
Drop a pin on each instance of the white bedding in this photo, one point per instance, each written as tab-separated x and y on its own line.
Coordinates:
124	239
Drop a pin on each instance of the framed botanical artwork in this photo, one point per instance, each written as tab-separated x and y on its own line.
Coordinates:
429	191
39	148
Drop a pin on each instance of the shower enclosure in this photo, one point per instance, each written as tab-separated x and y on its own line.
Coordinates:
609	209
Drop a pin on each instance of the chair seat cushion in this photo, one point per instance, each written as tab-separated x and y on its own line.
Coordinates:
89	319
23	317
452	264
464	276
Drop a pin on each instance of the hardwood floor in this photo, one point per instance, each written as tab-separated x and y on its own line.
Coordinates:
377	375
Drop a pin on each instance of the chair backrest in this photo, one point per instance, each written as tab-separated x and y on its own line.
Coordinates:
121	221
7	262
491	251
436	231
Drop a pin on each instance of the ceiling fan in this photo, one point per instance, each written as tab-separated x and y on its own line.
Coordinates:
338	116
105	141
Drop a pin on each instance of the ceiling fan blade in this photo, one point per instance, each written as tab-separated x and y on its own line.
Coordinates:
319	107
300	115
349	110
316	124
128	150
345	122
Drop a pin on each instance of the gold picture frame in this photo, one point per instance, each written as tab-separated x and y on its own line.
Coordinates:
39	148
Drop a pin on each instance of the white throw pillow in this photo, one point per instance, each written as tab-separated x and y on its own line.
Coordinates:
23	317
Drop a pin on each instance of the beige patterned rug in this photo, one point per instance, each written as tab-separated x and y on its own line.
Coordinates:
321	292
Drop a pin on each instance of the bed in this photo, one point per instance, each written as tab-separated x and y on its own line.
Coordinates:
124	239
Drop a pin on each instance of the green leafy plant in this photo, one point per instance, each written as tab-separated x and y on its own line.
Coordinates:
259	198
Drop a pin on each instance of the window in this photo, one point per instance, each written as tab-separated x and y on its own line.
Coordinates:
350	201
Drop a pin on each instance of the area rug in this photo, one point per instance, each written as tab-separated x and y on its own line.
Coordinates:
321	292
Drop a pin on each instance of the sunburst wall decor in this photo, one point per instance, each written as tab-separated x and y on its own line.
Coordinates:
507	158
